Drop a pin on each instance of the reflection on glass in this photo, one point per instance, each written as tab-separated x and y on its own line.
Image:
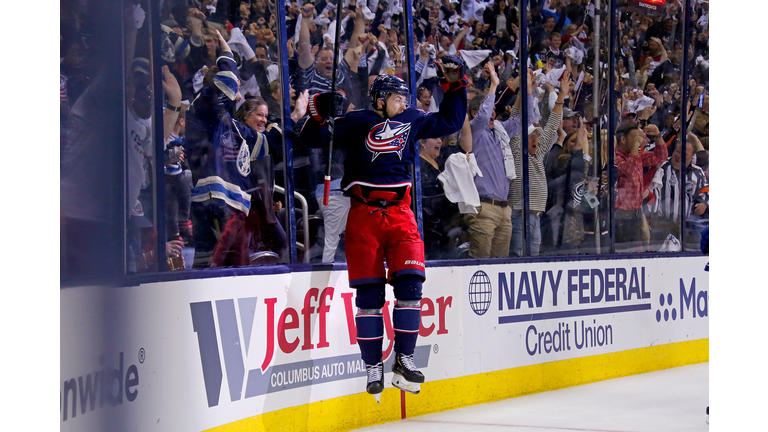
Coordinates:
441	217
141	234
222	119
667	211
222	208
573	190
650	75
682	200
698	220
91	122
575	220
597	220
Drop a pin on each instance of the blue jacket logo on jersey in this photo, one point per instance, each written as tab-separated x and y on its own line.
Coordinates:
244	160
388	137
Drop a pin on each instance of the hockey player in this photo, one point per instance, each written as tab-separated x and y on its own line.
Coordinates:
381	145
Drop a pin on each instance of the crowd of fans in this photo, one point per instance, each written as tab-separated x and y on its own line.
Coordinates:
568	177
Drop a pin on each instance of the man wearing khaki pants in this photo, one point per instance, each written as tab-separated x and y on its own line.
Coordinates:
491	229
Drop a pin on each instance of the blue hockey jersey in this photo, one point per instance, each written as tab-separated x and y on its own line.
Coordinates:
220	150
380	151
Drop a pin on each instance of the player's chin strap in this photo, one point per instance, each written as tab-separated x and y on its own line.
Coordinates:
384	108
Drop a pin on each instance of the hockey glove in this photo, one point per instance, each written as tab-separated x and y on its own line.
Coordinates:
452	73
327	104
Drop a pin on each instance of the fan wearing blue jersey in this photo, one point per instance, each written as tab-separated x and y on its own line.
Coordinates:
220	151
381	147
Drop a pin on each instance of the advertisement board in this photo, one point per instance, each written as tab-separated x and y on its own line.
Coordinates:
201	354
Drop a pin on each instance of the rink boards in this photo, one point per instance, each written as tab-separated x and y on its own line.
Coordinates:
278	352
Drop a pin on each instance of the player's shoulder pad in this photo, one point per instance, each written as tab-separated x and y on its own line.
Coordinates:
413	110
356	113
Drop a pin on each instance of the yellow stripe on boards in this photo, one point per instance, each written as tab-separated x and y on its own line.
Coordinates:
338	414
508	383
360	410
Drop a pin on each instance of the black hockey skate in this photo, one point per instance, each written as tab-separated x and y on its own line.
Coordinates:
375	380
407	377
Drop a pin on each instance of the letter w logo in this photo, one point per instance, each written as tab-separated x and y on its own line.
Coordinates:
229	333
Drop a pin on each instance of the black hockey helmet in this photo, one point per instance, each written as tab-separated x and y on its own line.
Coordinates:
384	84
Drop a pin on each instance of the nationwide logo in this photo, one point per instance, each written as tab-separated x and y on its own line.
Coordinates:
106	386
693	303
224	329
388	137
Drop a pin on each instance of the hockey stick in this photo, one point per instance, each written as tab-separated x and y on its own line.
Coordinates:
336	49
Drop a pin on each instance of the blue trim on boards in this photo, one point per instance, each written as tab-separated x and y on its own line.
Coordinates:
171	276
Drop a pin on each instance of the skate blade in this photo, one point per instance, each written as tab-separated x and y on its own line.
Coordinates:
377	396
403	384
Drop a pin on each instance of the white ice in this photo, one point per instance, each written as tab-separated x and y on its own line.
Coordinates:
670	400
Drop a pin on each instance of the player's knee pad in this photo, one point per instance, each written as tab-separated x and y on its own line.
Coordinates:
370	296
407	287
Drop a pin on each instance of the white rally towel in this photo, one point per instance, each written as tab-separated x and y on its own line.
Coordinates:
575	54
704	21
249	86
197	80
239	45
367	14
297	30
502	137
638	105
272	73
474	9
330	36
553	76
473	57
459	184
